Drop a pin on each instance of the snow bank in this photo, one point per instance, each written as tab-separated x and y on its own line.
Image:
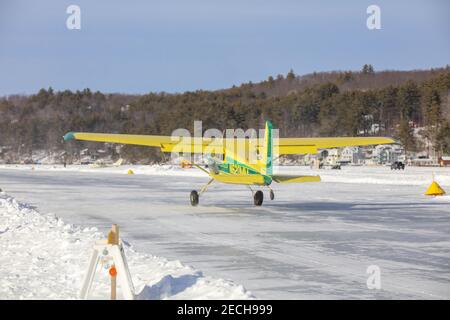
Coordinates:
171	170
412	176
44	258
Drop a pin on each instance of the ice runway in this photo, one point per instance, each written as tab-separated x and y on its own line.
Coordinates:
314	240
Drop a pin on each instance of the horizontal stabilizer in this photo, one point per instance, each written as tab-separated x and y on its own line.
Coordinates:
295	179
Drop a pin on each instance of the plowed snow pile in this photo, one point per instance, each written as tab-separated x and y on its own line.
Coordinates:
44	258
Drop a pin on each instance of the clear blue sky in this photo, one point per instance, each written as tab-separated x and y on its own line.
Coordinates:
179	45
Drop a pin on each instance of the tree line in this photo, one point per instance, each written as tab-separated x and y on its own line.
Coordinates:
328	107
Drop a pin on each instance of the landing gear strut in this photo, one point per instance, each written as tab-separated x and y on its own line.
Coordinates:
272	195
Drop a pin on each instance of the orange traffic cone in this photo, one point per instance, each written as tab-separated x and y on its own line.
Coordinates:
434	190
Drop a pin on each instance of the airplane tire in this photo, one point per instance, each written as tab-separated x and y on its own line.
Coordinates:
272	195
258	198
194	198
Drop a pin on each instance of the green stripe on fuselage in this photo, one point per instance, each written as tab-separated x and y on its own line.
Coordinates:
232	166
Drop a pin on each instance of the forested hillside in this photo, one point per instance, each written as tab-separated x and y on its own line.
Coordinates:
332	104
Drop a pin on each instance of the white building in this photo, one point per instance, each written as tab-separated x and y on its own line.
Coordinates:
384	154
330	156
352	155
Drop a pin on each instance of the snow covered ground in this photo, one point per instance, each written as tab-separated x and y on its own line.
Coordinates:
417	176
44	258
314	240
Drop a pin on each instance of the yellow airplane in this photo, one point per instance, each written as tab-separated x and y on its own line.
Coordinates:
237	166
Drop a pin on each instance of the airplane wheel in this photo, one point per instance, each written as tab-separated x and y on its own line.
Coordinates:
272	195
258	198
194	198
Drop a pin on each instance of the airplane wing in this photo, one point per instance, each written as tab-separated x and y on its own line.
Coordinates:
218	145
294	179
311	145
165	143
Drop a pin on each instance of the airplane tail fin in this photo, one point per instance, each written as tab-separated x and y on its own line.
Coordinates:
267	150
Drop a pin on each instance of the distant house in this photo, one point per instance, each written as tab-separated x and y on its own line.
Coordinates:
330	156
370	126
353	155
87	156
376	128
422	161
444	161
384	154
346	155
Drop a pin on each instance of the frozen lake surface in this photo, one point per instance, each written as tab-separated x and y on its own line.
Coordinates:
314	240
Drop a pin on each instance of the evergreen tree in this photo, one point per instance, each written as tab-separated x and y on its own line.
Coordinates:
406	135
409	102
431	104
291	75
318	104
389	113
367	69
443	139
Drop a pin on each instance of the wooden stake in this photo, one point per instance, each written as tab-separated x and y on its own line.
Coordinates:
113	235
113	288
110	249
115	229
113	238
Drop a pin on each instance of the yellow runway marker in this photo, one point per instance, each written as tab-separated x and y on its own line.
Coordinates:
434	190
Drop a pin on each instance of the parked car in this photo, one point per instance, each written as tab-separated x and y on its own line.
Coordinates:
398	165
